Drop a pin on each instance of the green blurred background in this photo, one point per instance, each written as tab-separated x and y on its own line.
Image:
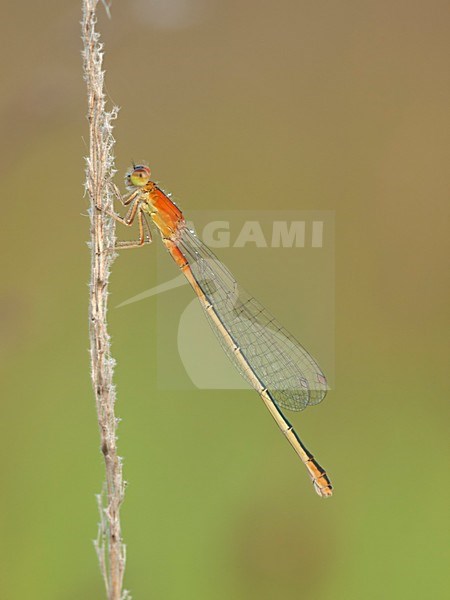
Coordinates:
338	106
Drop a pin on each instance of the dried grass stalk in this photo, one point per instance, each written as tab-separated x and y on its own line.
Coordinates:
99	172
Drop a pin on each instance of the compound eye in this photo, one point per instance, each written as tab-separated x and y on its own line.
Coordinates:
140	176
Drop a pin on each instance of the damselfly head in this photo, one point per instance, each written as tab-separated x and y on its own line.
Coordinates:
138	176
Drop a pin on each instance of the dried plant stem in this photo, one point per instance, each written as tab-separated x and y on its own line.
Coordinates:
99	172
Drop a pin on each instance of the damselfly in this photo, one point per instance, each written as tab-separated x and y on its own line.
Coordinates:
282	372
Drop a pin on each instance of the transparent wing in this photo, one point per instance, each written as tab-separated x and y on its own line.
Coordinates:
289	372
